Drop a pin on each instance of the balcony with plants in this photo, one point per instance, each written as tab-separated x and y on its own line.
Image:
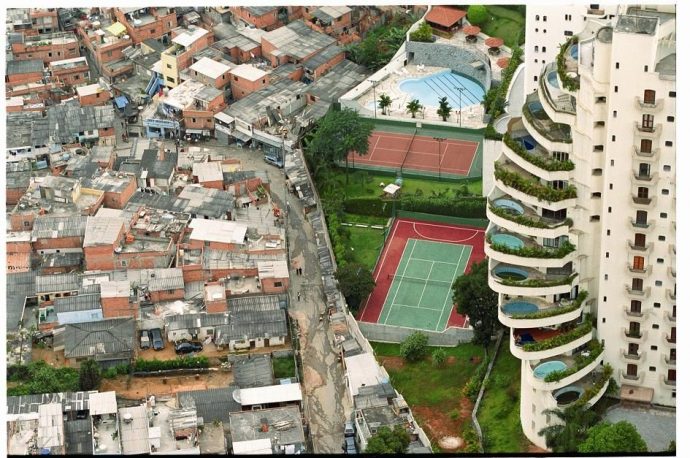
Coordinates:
513	248
527	188
525	281
532	312
567	65
523	150
550	134
560	105
518	217
586	391
541	343
574	367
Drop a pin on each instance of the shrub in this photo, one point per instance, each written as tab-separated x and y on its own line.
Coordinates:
474	384
413	348
438	357
477	14
551	165
571	84
539	283
533	252
595	349
560	339
195	362
424	33
582	295
533	187
490	133
526	220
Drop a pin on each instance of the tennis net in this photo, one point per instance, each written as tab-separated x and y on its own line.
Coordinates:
422	281
409	147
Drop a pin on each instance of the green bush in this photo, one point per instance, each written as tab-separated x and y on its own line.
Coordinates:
438	357
39	377
490	133
414	347
594	347
467	207
477	14
551	165
474	384
560	339
533	252
424	33
142	365
533	187
538	283
582	295
526	220
602	377
571	84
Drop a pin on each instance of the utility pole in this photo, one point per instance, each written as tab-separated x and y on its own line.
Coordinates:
373	84
460	89
439	140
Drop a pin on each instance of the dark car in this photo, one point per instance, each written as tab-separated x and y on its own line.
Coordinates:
183	348
349	446
274	161
157	339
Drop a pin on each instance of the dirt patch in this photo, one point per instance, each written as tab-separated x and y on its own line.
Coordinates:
531	448
392	362
451	360
53	358
476	359
450	443
312	379
142	387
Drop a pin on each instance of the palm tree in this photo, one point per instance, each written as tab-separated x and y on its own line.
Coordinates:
571	430
444	108
384	102
414	107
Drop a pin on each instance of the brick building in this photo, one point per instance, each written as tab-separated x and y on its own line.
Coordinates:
186	42
105	43
61	234
293	43
47	47
93	95
117	300
70	71
211	72
117	188
247	79
24	71
143	23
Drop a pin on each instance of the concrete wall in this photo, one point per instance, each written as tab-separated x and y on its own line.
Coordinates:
386	333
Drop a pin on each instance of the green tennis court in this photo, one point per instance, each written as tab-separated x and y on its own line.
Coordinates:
421	295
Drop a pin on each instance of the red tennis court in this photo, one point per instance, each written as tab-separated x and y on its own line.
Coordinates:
403	230
417	152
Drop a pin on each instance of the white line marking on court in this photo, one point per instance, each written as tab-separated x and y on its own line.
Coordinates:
415	307
435	262
373	150
443	156
474	157
407	264
457	265
414	225
391	237
426	282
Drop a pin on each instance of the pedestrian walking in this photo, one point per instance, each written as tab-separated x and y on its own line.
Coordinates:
299	296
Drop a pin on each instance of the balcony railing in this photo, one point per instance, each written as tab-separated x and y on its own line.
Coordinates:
649	129
635	247
672	271
552	131
645	154
533	187
641	200
627	376
631	356
671	294
637	270
656	104
529	218
670	317
670	339
670	361
669	382
649	224
637	292
630	314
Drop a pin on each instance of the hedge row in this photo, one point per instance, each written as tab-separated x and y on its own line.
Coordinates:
553	311
571	84
532	252
595	349
561	339
533	187
467	207
550	165
526	220
142	365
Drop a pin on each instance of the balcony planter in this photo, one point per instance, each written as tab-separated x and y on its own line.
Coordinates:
560	340
550	165
533	252
595	349
594	392
568	82
533	188
553	311
527	221
538	283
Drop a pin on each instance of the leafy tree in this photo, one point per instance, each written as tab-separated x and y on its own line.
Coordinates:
339	133
413	348
438	357
89	375
388	440
42	378
570	431
474	298
384	102
355	282
444	108
424	33
671	447
414	107
477	14
613	437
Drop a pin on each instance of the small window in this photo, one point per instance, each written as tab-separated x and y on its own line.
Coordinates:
606	276
670	118
598	148
544	19
618	65
667	168
615	88
612	162
613	138
608	231
657	305
594	218
672	94
604	298
607	254
668	143
646	68
653	348
536	49
535	78
663	215
658	283
568	33
596	195
543	49
609	209
603	320
278	284
652	368
611	186
615	113
659	260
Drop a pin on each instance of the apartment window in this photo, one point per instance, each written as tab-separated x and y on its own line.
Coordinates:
598	148
170	79
672	337
635	307
633	348
646	68
631	370
658	283
618	65
543	49
613	138
638	263
278	284
109	53
662	238
193	119
649	95
235	78
606	277
153	31
659	260
608	232
544	19
672	94
646	145
568	33
668	143
643	193
640	240
50	54
665	192
609	209
634	329
672	355
536	49
594	218
670	119
610	186
612	162
653	348
645	170
607	255
168	65
615	88
76	77
535	79
637	284
667	168
123	263
647	121
596	172
596	195
652	369
536	30
615	113
641	217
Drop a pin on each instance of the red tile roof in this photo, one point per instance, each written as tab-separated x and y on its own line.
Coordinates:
445	16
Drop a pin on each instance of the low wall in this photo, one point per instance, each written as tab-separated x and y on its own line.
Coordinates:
451	337
454	57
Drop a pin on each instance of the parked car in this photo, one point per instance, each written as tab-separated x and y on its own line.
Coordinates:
349	446
145	340
274	161
349	429
183	348
157	339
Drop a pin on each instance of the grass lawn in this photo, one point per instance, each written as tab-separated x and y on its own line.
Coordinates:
506	24
283	367
364	219
424	385
499	414
366	243
366	184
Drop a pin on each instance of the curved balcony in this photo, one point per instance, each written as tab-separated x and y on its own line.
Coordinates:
634	358
517	217
512	248
577	366
560	105
636	316
532	312
524	281
637	293
645	227
652	155
522	149
520	185
642	203
587	390
643	272
649	107
670	383
551	135
541	343
651	132
644	180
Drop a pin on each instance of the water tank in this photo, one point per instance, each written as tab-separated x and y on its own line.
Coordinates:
126	37
127	418
96	24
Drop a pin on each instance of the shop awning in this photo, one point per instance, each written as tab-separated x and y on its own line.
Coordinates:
121	101
116	29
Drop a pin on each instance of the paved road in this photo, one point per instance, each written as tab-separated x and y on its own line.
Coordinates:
326	404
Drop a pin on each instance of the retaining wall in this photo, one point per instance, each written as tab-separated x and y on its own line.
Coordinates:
451	337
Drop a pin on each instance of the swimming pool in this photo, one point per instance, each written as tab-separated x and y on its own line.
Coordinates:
510	273
574	51
535	107
544	369
568	395
443	84
508	240
519	307
510	205
528	142
552	78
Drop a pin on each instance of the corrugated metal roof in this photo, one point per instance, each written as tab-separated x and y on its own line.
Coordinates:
100	339
18	287
71	402
17	67
50	227
298	40
254	371
252	325
78	437
57	283
77	303
213	404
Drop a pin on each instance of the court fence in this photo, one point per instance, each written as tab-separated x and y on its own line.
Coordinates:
450	337
479	223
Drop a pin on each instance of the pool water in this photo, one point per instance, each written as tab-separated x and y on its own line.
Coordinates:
429	89
510	205
552	78
544	369
574	51
528	142
510	273
568	395
518	307
508	240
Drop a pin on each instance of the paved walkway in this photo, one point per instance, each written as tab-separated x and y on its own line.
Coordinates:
657	427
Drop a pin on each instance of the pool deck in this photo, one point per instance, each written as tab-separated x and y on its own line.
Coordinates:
471	115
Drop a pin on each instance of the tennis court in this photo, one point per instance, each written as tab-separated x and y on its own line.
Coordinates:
415	273
398	151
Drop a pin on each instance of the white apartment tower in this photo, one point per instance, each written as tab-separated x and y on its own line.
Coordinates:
581	240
